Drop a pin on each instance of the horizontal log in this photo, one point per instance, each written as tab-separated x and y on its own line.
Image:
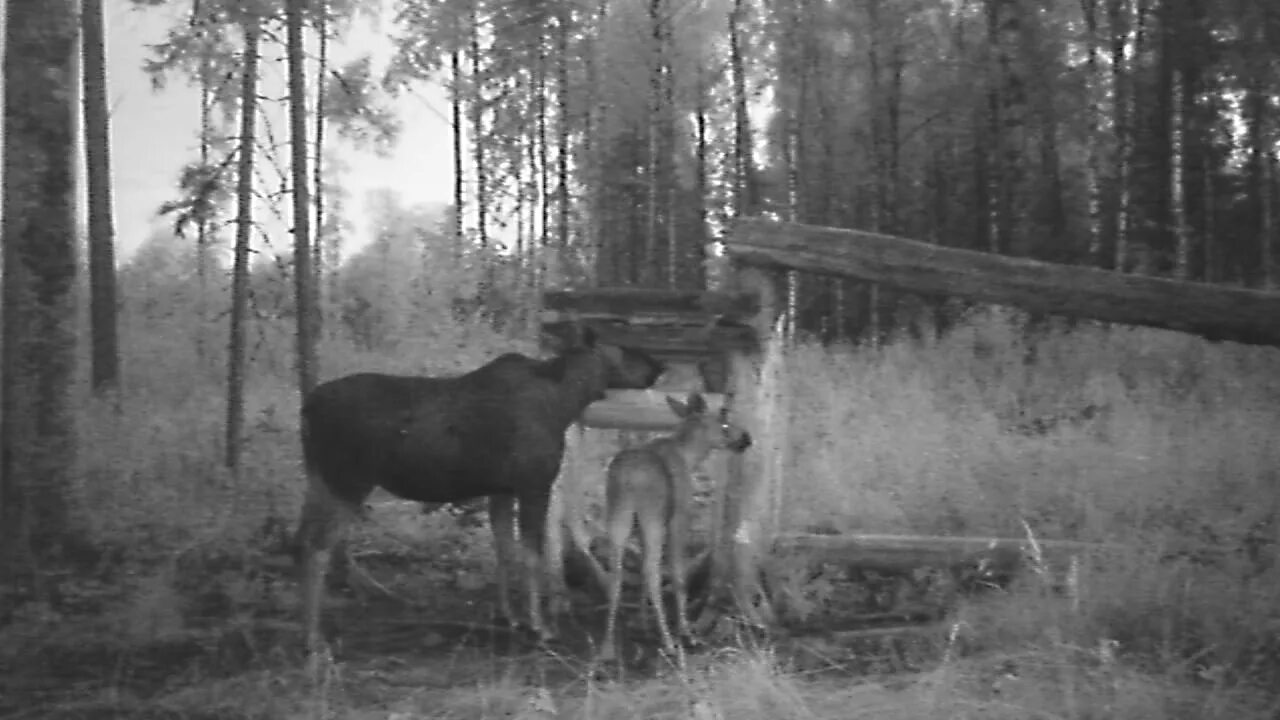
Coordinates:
1215	312
825	633
639	410
630	301
679	341
905	552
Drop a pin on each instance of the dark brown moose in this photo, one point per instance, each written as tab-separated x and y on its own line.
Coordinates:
497	432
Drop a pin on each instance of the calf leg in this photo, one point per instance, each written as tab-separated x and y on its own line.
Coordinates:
620	522
502	523
677	538
652	535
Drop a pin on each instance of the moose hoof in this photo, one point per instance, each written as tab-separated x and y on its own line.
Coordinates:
673	654
689	641
545	635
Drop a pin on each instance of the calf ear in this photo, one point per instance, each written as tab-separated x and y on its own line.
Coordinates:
680	409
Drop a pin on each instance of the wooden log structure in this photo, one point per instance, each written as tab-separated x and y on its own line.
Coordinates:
700	335
1214	312
972	561
720	332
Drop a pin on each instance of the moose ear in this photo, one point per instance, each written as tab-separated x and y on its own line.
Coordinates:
680	409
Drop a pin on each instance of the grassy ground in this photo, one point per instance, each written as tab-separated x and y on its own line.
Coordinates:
190	614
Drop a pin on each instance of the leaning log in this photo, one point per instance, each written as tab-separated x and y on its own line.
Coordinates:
1215	312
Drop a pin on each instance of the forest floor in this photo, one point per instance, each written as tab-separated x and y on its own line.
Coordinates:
193	652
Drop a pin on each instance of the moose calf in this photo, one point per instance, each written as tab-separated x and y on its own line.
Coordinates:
651	486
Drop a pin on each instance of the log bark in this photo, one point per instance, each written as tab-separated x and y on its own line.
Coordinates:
643	410
1213	312
892	553
632	301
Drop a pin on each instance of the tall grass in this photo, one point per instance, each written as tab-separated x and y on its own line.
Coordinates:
910	437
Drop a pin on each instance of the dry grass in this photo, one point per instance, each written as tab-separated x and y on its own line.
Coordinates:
906	438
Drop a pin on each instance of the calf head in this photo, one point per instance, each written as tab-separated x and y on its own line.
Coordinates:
714	429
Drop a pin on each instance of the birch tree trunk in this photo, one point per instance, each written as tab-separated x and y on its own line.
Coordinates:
303	274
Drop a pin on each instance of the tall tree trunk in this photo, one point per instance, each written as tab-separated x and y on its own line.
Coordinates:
544	150
526	156
523	193
1004	126
563	132
669	179
746	199
1012	128
203	231
237	355
1093	101
1118	12
317	182
879	208
702	184
995	139
792	152
478	140
875	117
1268	234
37	419
303	275
459	171
608	254
650	272
102	263
1257	95
1177	173
1210	254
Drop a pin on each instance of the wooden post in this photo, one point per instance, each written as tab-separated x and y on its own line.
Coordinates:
737	537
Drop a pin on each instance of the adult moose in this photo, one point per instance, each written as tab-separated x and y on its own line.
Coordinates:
497	432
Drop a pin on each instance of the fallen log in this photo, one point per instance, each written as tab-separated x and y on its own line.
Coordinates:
1214	312
901	553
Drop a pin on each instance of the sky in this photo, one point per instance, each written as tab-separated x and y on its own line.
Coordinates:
155	133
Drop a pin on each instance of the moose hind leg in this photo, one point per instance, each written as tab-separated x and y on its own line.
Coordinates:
533	524
502	523
324	518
